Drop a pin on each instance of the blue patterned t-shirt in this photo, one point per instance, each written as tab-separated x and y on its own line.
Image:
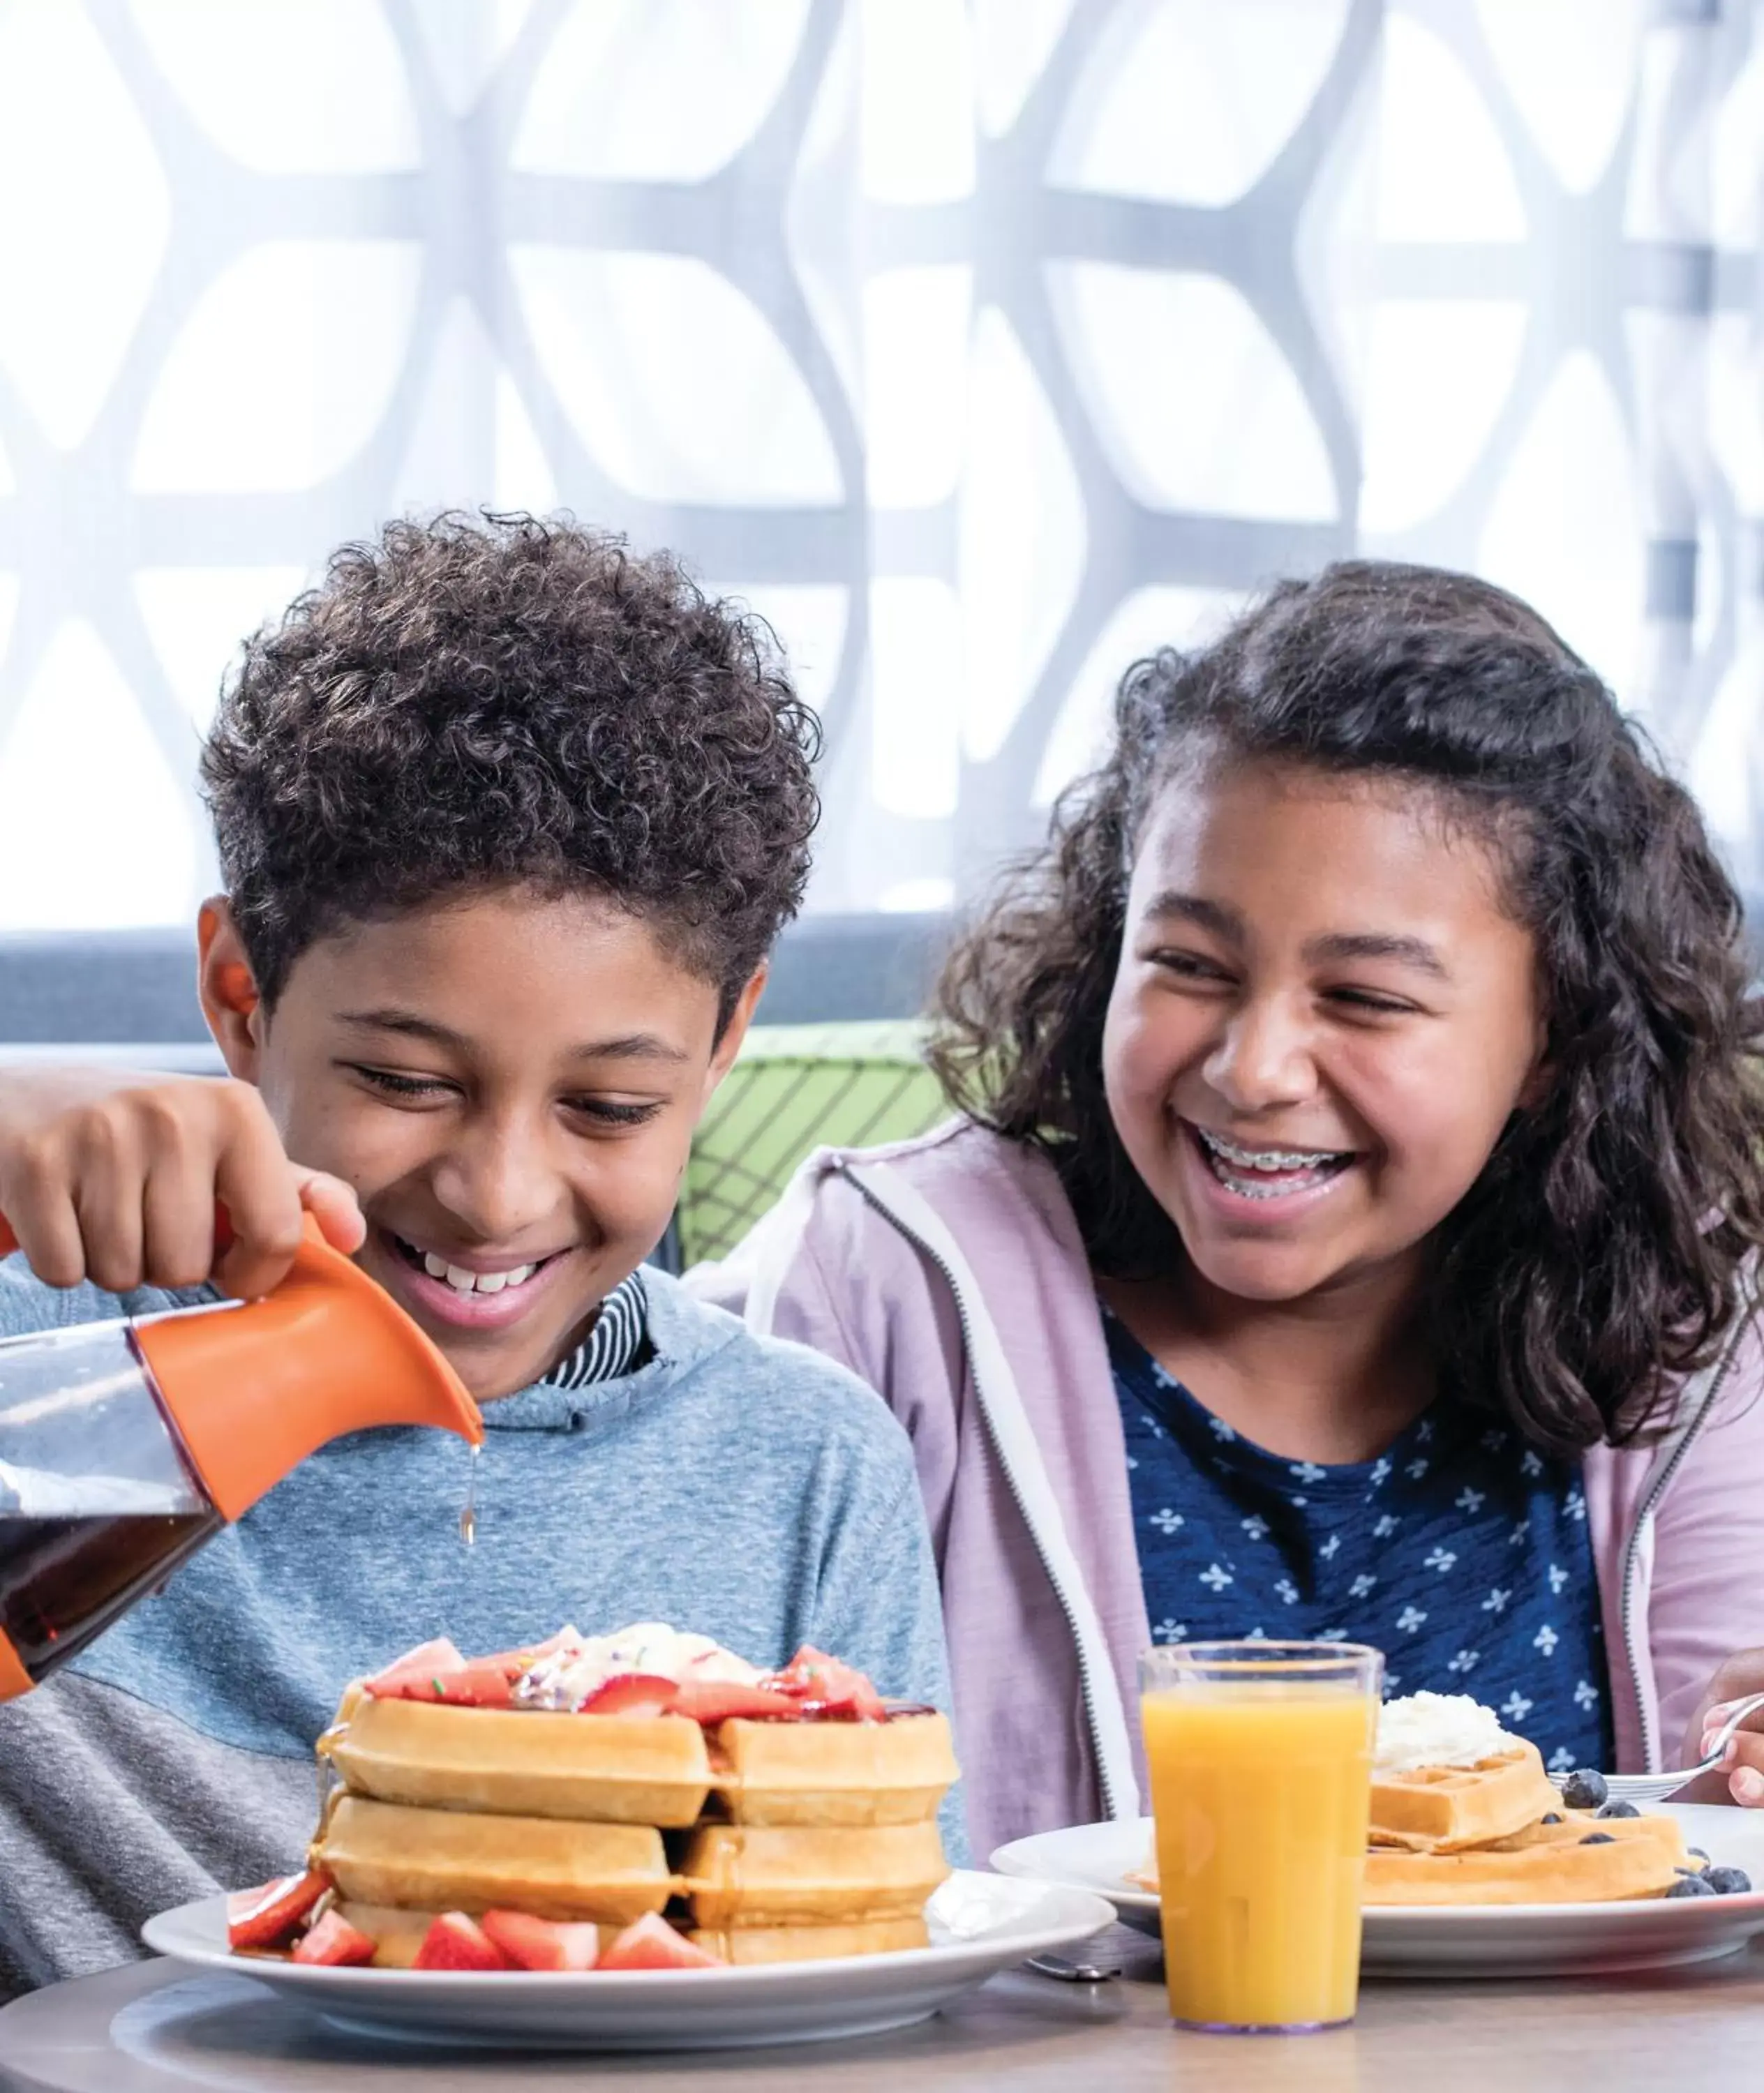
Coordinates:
1461	1552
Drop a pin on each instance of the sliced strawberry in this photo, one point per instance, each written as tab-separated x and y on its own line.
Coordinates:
455	1941
481	1683
651	1944
632	1693
542	1944
430	1660
334	1943
716	1700
835	1688
266	1918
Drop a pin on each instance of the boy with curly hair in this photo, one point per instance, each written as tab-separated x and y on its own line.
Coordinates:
509	819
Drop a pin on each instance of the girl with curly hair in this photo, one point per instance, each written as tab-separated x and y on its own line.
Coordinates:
1349	1225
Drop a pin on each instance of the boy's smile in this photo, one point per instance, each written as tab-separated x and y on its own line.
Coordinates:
470	1292
510	1082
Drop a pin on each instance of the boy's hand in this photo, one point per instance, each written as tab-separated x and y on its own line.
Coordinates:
1740	1776
113	1177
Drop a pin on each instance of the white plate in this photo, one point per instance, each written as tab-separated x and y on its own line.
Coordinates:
980	1924
1466	1940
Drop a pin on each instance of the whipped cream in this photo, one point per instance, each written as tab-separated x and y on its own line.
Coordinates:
1437	1730
581	1665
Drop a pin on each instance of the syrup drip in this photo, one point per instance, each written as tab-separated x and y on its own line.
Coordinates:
468	1515
321	1761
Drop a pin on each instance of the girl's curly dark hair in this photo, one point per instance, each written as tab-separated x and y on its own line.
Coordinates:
478	702
1600	1250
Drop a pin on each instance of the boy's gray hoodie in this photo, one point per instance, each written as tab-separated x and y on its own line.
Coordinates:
744	1488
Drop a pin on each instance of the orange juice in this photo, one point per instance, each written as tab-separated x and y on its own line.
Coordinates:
1261	1789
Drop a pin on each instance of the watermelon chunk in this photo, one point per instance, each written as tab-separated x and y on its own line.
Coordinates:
650	1942
482	1682
333	1943
833	1688
542	1944
455	1941
429	1660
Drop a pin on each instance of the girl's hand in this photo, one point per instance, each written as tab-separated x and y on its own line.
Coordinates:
1740	1776
113	1178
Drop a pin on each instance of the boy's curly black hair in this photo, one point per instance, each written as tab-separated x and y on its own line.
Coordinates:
1602	1250
479	702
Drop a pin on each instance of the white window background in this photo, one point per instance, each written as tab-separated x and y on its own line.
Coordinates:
981	344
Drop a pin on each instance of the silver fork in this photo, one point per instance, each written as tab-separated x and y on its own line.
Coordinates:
1639	1787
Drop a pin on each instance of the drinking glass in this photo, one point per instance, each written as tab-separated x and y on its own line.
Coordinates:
1260	1757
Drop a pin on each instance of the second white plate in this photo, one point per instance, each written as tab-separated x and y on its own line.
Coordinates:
980	1924
1465	1940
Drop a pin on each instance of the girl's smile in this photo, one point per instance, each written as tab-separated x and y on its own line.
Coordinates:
1282	1181
1323	1018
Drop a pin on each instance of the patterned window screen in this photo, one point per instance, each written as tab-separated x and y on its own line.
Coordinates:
981	344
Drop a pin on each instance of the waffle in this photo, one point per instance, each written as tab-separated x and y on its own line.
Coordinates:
869	1773
763	1875
1635	1857
452	1860
1450	1809
605	1769
640	1770
795	1839
750	1944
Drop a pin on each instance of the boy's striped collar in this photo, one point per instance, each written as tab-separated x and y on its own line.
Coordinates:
615	1345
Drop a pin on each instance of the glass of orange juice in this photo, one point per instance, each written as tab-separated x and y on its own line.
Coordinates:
1260	1757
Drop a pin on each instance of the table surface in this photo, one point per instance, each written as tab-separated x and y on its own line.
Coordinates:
150	2028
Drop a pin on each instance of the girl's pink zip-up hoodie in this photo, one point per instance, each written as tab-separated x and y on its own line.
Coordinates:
948	1272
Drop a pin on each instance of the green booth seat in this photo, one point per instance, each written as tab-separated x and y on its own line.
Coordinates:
794	1089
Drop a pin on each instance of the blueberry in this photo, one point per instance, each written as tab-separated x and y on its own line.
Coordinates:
1599	1839
1618	1809
1584	1789
1690	1886
1552	1819
1728	1881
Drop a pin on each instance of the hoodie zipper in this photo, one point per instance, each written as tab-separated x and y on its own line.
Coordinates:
1657	1489
1085	1684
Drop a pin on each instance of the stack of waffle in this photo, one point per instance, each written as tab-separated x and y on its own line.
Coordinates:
1498	1832
764	1841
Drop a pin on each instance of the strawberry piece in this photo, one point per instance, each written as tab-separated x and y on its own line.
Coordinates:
429	1660
266	1918
455	1941
715	1700
333	1943
542	1944
632	1693
651	1944
836	1689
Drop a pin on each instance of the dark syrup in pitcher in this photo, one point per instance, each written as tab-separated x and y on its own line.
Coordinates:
64	1581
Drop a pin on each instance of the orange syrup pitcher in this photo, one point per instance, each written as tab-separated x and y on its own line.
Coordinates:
1260	1759
125	1446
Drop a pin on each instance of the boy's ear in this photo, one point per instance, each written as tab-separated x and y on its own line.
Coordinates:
734	1031
228	988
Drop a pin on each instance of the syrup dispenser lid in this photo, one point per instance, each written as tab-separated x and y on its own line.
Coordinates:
255	1389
